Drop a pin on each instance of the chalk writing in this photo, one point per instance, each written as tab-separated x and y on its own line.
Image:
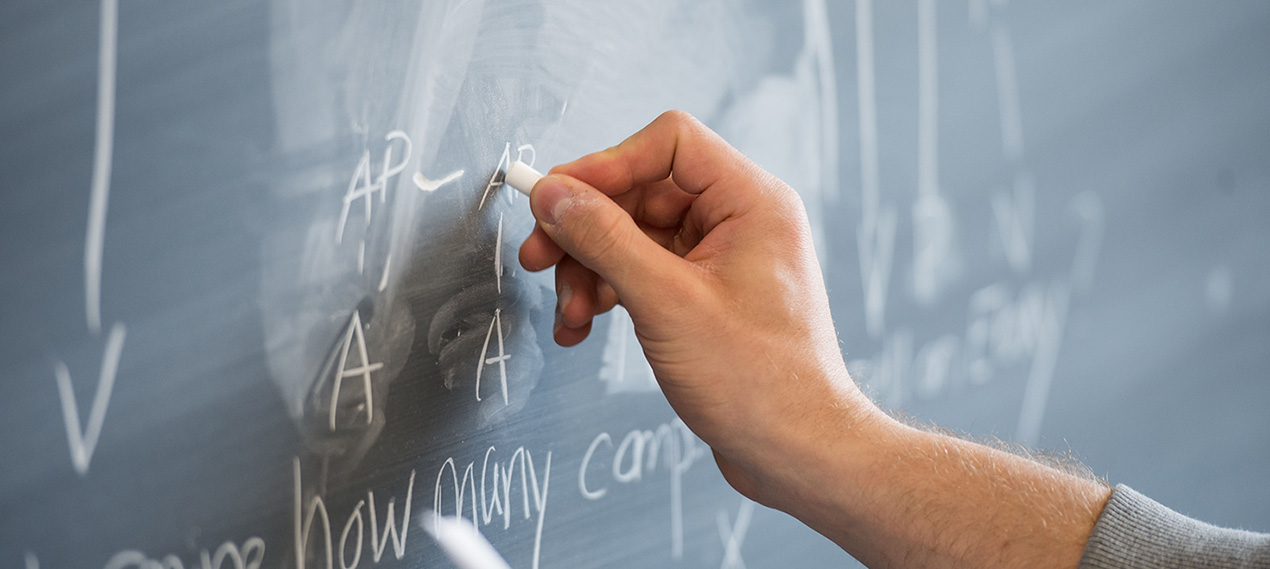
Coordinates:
867	95
305	512
1003	329
500	171
624	367
875	237
638	454
390	524
427	185
363	368
1014	213
246	556
933	224
103	152
84	443
497	502
1088	207
876	248
733	534
362	187
1007	324
498	254
1049	324
383	280
501	359
934	256
1007	92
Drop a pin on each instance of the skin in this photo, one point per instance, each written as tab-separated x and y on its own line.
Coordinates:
713	258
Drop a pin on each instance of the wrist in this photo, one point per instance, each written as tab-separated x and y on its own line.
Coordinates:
831	457
908	497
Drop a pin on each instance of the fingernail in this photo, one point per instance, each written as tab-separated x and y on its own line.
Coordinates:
553	199
565	294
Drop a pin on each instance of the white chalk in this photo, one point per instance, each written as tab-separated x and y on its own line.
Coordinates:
458	538
522	177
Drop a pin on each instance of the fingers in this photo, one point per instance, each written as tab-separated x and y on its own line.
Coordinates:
601	235
576	288
674	145
619	224
539	252
575	291
657	204
676	171
582	296
566	336
673	174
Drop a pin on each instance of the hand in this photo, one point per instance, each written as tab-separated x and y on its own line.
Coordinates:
713	259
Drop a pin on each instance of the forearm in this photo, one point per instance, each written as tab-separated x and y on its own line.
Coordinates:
918	499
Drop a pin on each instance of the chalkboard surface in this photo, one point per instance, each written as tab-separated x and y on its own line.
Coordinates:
260	305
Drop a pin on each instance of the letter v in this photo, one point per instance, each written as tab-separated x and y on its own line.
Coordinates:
83	443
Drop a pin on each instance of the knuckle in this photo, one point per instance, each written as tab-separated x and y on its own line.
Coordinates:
674	116
681	120
601	235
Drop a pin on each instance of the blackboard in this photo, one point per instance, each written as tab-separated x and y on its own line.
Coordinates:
259	293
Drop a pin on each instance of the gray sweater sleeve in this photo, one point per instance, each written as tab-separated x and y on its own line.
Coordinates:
1136	532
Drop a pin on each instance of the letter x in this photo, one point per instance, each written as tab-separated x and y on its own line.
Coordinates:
734	535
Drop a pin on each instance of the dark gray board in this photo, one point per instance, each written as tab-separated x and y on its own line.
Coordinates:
1143	123
232	267
238	128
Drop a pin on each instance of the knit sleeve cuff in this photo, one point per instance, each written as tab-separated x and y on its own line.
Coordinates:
1136	532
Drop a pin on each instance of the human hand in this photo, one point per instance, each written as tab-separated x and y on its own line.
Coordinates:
714	260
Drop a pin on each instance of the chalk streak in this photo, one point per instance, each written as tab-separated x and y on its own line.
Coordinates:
876	251
496	179
83	443
1007	92
383	281
498	254
462	542
103	153
1088	206
868	113
1015	214
978	12
733	536
928	100
364	369
501	359
427	185
818	42
1044	361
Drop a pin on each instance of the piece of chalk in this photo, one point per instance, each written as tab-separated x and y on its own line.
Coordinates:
460	541
522	177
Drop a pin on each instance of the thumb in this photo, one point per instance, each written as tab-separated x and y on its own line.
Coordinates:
594	230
